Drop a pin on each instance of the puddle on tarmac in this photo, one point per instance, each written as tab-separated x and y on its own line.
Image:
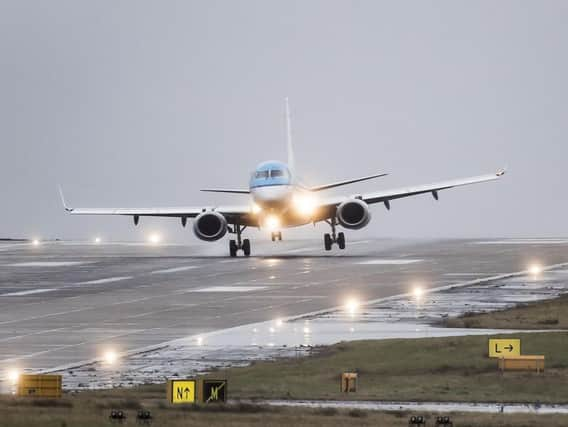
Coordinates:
403	317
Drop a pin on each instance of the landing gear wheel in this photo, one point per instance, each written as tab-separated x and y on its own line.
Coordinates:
276	235
233	248
327	241
246	247
341	240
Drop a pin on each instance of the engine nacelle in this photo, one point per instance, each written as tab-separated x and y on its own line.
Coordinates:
210	226
353	214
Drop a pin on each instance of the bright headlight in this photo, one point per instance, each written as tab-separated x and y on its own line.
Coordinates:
305	204
272	223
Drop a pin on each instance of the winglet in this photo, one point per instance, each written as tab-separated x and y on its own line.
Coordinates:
67	208
501	172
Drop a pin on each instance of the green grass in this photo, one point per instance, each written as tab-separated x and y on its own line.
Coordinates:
90	409
431	369
551	314
438	369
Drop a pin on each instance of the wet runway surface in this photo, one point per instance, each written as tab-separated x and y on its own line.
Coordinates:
61	303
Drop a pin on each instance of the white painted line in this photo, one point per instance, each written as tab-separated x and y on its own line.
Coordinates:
230	289
389	261
299	250
524	242
174	270
360	242
106	280
30	292
468	274
47	264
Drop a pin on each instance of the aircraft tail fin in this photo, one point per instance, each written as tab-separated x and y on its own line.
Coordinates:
289	138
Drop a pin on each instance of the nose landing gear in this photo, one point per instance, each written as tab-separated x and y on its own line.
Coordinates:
239	244
276	235
330	239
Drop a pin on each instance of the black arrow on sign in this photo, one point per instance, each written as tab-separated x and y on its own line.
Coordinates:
510	348
186	391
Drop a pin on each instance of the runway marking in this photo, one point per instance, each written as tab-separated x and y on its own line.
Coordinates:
468	274
524	242
47	264
389	261
16	337
10	246
229	289
107	280
149	313
24	293
359	242
299	250
174	270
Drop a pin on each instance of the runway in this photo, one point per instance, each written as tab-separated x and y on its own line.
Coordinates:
64	302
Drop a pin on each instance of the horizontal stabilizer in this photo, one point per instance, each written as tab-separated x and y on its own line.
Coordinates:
350	181
225	190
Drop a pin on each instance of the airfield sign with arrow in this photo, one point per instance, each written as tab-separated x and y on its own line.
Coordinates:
181	391
504	347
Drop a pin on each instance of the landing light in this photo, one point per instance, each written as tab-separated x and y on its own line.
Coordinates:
256	208
13	376
417	292
535	269
305	204
154	238
35	242
352	306
97	240
199	341
111	357
279	322
272	223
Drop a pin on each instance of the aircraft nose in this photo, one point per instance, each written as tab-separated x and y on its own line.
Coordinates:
275	193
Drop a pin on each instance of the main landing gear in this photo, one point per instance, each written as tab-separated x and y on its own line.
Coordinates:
239	244
276	235
330	239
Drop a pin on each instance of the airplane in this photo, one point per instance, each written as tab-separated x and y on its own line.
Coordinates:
279	200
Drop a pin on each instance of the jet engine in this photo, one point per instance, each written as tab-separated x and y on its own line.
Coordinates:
353	214
210	226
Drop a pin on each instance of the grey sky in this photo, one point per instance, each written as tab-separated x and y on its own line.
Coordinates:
137	103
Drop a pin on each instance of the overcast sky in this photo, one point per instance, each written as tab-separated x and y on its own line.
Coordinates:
138	103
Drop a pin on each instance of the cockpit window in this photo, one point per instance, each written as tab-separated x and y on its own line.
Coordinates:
261	174
274	173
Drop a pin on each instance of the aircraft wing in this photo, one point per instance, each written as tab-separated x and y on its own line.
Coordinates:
327	208
240	214
346	182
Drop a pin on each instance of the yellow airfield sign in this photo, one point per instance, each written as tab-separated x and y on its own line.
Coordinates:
181	391
504	347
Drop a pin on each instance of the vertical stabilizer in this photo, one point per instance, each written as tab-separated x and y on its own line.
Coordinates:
289	138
